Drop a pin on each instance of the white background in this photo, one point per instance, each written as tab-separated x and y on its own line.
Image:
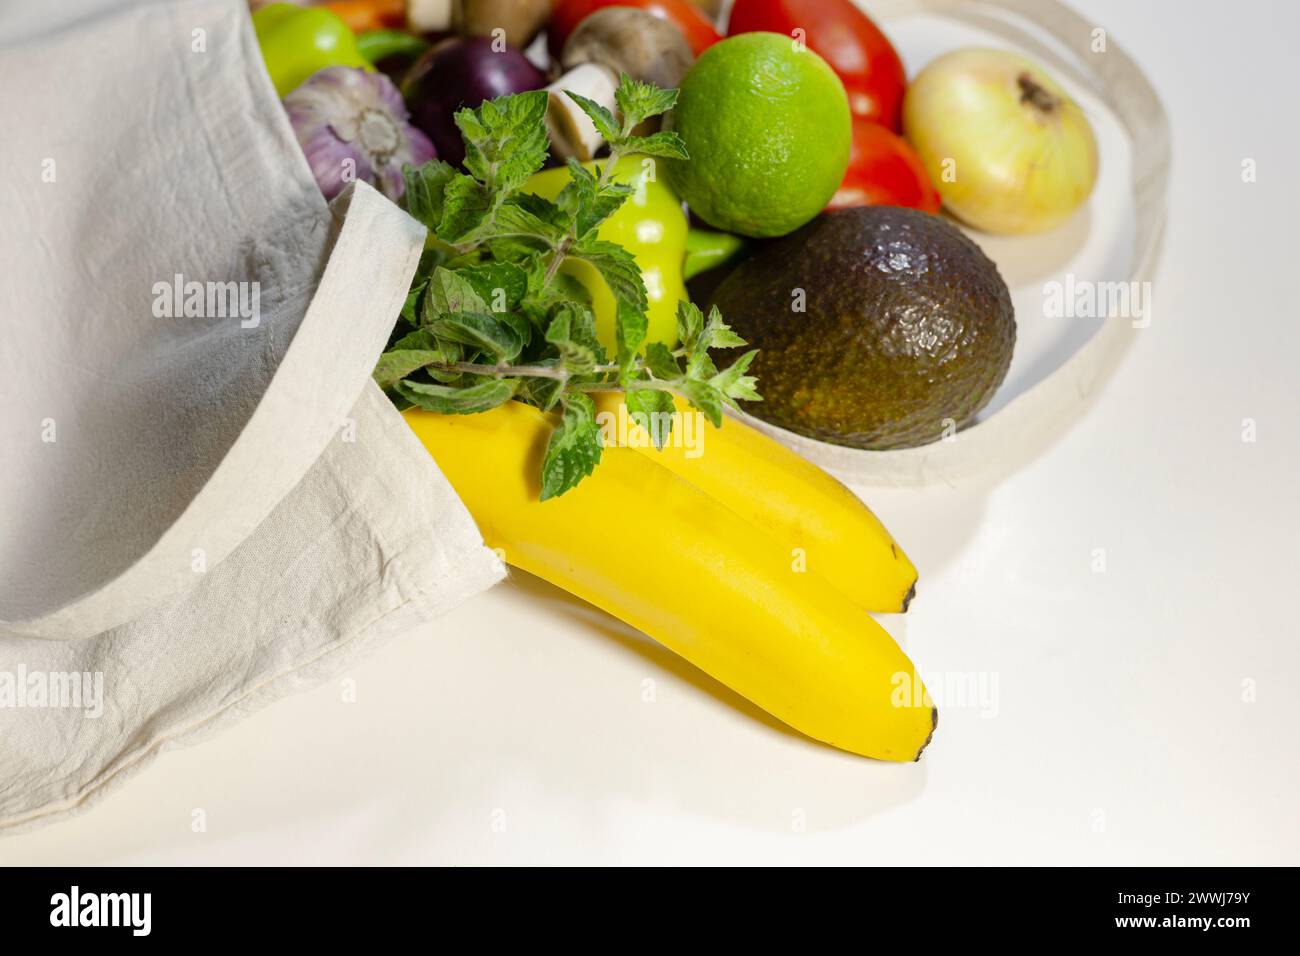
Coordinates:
515	730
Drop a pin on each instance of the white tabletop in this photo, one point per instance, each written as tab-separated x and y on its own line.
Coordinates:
1144	713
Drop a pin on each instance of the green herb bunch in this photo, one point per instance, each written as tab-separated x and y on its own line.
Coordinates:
490	318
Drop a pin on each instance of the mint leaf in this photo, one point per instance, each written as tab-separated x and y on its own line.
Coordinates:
423	198
575	357
449	291
608	200
527	217
451	352
581	180
411	307
541	392
430	259
500	285
562	291
616	266
630	330
699	334
734	384
550	214
465	206
660	362
499	337
525	224
706	398
522	226
690	322
587	202
409	353
654	411
699	365
666	144
582	327
718	334
573	450
604	121
505	139
453	400
638	101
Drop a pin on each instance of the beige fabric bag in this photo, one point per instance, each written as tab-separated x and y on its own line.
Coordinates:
200	513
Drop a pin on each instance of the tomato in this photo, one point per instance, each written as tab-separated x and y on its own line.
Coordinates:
695	26
884	171
845	38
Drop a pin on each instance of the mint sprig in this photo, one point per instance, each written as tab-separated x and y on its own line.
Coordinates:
490	317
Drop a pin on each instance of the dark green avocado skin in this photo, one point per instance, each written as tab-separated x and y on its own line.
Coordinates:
908	329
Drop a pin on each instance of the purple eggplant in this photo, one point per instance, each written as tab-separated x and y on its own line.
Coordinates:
462	72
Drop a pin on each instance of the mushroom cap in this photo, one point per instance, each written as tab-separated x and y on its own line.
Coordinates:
522	20
629	40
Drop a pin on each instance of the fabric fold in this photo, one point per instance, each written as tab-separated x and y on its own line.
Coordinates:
207	501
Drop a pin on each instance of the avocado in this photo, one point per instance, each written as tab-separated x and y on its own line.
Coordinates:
878	327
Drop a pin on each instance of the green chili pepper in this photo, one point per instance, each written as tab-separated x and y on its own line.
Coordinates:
376	45
298	41
651	225
707	250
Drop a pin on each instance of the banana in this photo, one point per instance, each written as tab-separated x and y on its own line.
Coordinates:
686	571
794	501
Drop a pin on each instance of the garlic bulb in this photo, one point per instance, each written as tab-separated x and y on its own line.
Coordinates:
352	124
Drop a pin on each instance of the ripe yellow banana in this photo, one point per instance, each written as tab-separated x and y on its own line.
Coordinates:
650	548
794	501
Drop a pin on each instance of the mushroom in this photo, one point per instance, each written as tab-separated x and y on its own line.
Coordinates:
612	41
521	20
712	7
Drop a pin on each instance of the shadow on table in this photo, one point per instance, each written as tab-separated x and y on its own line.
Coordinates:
778	780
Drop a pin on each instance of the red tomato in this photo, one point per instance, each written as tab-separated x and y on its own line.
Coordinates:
884	171
846	39
683	14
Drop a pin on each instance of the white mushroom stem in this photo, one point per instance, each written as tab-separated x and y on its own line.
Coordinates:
609	42
430	16
573	135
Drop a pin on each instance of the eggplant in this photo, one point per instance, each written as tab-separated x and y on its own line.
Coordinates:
462	72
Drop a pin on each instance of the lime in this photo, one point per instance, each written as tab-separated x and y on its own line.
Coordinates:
767	125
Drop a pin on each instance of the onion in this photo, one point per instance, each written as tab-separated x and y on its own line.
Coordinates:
463	72
1008	149
352	124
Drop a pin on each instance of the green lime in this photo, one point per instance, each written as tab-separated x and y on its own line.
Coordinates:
767	125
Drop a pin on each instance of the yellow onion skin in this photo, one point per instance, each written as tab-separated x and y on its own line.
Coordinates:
1010	152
